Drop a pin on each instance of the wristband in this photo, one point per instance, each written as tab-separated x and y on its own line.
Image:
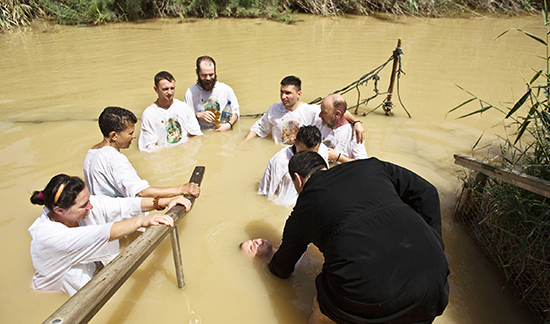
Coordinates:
357	121
156	203
230	125
338	158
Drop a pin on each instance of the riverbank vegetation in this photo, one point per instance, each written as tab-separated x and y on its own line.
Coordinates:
89	12
510	224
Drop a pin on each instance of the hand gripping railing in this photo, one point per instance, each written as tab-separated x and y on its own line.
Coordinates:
83	305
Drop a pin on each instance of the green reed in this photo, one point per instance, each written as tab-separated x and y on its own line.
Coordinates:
512	224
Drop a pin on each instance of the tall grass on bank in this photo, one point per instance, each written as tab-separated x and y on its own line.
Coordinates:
89	12
513	225
18	13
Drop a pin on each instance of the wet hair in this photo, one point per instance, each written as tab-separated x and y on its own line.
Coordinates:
292	80
305	163
309	135
73	186
163	75
205	58
115	119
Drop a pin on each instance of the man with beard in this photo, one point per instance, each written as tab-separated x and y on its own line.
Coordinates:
168	121
336	131
283	119
210	94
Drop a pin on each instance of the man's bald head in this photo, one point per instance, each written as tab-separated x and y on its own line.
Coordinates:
333	108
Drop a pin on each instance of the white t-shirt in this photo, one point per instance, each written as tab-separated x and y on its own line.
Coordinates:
108	172
276	183
218	97
63	257
283	125
340	140
167	127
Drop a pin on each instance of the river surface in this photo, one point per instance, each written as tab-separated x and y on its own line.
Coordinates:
57	79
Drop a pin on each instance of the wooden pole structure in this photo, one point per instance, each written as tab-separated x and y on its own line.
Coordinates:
388	104
518	179
83	305
174	238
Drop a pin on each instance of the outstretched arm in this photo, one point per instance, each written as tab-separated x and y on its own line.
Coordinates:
128	226
184	189
249	136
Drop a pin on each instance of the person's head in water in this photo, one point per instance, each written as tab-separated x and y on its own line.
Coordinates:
117	126
206	72
260	248
66	198
302	165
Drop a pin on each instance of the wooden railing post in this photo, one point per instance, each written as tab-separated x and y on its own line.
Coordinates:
516	178
174	238
83	305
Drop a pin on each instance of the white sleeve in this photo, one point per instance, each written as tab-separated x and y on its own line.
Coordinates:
188	99
358	150
191	122
323	152
148	136
116	209
234	102
269	182
263	127
127	178
316	120
86	244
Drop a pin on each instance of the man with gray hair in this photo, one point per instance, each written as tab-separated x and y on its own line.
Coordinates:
337	131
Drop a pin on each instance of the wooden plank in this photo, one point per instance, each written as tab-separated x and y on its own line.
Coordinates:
519	179
83	305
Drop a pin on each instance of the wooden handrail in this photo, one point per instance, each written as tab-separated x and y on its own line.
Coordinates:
83	305
518	179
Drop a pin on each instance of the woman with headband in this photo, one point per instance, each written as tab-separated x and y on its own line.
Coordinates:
77	234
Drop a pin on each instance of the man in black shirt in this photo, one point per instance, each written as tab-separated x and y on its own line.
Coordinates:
379	228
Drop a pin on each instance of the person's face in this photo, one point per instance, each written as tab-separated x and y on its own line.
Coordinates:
257	247
79	211
289	95
328	115
302	147
207	75
165	90
124	139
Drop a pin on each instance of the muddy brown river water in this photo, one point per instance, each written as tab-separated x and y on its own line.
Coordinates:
57	79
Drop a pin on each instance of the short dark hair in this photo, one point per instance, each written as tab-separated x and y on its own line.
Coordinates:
305	163
73	186
115	119
163	75
292	80
205	58
309	135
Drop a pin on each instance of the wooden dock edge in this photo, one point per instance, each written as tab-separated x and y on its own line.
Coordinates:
83	305
519	179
